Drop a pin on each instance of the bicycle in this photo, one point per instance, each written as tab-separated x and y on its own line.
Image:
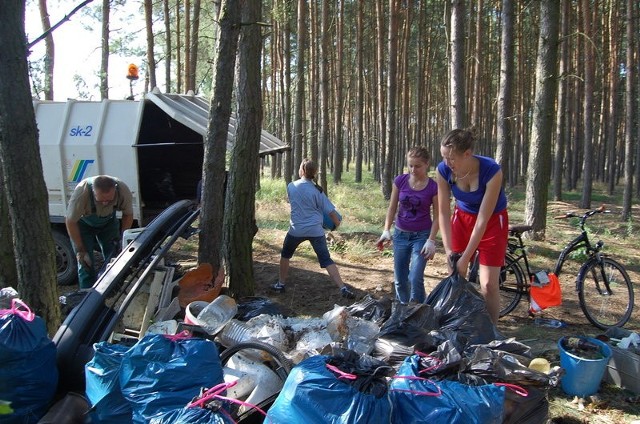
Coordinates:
605	291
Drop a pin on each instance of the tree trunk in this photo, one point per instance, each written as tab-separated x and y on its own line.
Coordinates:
504	150
539	168
629	114
381	101
104	54
240	224
193	50
287	98
49	57
8	272
477	73
562	111
298	119
215	146
167	45
359	93
587	106
392	112
314	86
456	65
178	49
324	96
187	44
338	157
611	124
151	61
25	192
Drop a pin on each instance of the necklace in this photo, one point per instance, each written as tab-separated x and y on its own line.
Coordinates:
456	178
417	183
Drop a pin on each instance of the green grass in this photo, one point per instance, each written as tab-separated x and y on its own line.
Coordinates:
361	205
363	208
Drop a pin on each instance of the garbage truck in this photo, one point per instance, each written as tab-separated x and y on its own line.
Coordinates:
154	145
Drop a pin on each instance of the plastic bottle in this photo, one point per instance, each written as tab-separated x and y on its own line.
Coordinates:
217	314
236	332
549	322
233	333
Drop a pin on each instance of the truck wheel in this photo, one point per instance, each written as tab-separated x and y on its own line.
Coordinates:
66	265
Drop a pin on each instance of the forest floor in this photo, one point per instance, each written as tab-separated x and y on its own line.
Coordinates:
310	292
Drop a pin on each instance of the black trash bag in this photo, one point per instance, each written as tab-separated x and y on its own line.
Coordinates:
252	306
409	322
456	338
371	373
441	364
70	301
511	345
530	409
407	330
370	309
391	352
485	364
498	366
459	307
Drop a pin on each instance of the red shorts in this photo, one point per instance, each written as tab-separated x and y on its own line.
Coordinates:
493	245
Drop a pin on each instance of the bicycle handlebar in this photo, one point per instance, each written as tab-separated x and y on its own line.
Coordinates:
587	214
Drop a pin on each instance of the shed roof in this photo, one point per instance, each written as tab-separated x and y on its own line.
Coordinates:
193	111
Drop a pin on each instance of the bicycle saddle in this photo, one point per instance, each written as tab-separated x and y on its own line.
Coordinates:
520	228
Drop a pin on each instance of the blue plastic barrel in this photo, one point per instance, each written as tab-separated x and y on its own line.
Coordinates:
582	375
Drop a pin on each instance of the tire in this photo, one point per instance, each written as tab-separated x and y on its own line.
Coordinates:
512	283
604	308
66	265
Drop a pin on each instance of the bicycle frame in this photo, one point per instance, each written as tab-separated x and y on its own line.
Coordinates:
516	252
581	241
516	277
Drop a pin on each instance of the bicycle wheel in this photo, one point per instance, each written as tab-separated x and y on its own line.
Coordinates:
512	283
605	292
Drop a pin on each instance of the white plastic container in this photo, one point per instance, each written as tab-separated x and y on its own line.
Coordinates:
217	314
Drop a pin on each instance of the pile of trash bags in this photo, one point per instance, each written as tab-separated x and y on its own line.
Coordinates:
376	361
438	362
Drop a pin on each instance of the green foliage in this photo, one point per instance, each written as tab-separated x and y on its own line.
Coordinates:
579	255
5	408
363	209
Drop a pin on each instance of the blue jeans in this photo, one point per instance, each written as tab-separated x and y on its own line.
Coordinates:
409	265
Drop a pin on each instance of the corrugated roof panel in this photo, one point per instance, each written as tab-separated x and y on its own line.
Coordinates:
193	111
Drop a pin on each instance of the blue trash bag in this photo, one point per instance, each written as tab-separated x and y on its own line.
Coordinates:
161	373
103	384
192	416
28	372
314	394
444	401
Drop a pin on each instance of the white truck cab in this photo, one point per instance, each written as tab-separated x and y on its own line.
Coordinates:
154	145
